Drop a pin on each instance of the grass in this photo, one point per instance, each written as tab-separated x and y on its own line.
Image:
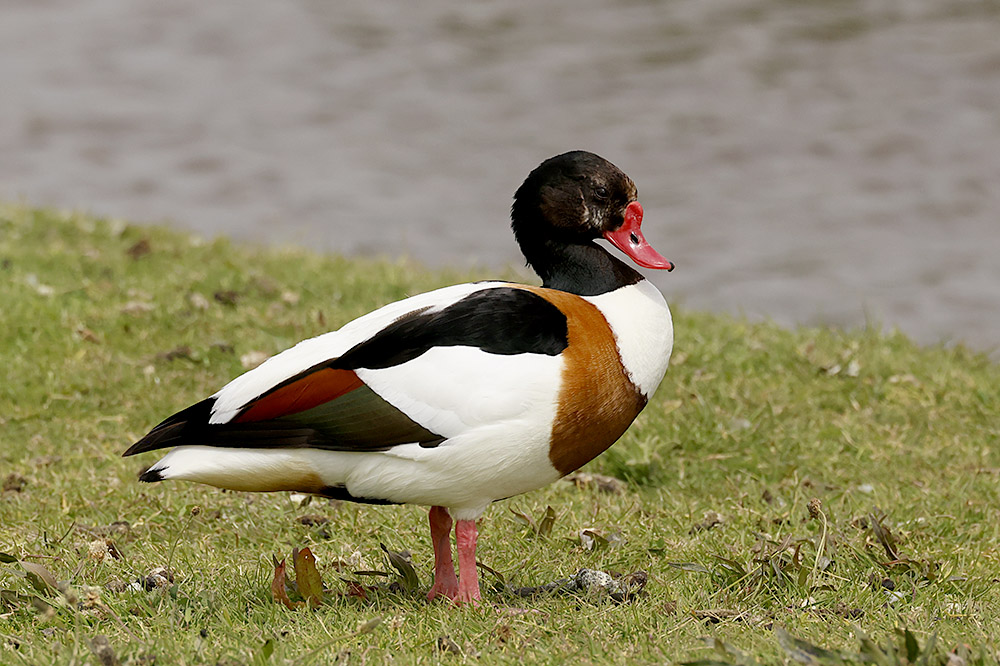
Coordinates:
794	495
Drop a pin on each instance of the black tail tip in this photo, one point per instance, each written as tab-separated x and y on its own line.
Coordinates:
151	476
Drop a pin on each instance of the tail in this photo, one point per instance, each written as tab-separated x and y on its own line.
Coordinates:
174	430
191	427
151	475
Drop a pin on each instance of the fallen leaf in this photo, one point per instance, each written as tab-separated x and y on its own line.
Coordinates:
493	572
265	651
591	538
604	484
401	563
503	633
87	335
183	352
14	482
139	249
356	589
40	578
524	518
307	576
445	644
312	519
226	296
883	535
547	521
278	591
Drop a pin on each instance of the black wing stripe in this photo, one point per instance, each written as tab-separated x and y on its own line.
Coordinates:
503	320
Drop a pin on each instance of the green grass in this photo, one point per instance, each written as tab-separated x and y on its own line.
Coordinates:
894	445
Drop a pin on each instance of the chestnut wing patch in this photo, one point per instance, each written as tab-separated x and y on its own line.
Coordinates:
302	412
329	407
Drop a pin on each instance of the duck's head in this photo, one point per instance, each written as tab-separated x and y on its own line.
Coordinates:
572	199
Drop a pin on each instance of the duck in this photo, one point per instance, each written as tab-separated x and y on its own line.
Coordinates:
461	396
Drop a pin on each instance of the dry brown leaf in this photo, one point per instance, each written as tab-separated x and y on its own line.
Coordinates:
87	335
307	576
278	591
312	519
226	296
446	644
600	482
139	249
14	482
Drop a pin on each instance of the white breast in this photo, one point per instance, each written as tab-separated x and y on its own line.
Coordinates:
644	331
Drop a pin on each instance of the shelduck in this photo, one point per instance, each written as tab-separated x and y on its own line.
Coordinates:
458	397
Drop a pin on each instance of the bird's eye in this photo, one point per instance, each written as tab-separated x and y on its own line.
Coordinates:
601	192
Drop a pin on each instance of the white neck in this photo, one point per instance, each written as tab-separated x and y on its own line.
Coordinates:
643	329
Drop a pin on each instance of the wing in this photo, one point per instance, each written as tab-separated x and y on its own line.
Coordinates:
386	389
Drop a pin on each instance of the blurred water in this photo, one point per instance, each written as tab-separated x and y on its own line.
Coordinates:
824	162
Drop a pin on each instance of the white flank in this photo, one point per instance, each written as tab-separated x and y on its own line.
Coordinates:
644	331
452	390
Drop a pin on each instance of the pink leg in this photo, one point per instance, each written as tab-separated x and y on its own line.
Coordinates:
468	585
445	582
